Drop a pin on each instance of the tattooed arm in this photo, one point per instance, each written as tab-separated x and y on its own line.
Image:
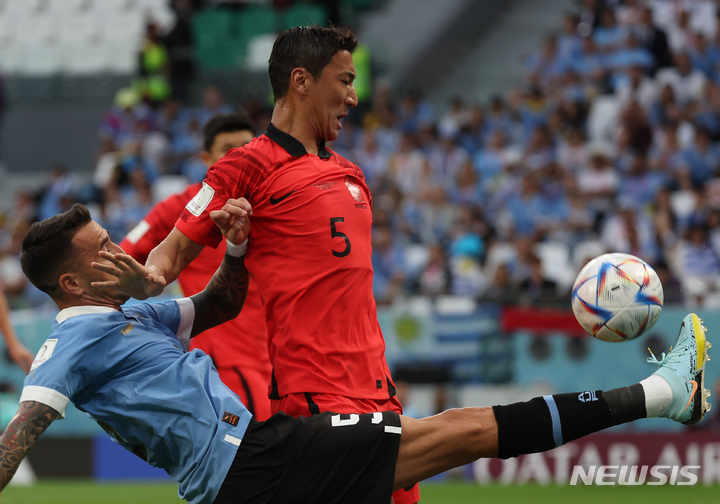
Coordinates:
224	296
31	420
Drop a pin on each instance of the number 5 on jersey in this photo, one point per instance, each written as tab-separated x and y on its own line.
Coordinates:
338	234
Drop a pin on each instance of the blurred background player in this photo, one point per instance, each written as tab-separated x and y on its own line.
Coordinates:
310	250
16	350
238	347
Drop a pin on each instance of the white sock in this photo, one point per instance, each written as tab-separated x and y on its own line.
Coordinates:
658	395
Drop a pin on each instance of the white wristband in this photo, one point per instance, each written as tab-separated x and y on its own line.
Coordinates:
236	250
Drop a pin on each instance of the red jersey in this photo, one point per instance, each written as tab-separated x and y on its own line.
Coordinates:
310	252
241	342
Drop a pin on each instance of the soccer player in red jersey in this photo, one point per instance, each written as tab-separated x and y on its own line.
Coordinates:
310	240
238	347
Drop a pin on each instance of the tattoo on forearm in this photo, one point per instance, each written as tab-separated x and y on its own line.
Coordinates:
29	422
224	296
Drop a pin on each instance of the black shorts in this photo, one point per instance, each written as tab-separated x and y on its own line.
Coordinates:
325	459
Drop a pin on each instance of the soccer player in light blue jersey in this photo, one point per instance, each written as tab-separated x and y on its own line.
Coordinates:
128	369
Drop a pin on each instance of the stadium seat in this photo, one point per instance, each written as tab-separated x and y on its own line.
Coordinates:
258	51
121	58
9	59
21	6
78	28
304	15
123	27
499	253
35	30
7	29
253	21
113	5
167	185
55	7
585	251
211	27
40	60
555	258
163	16
454	305
151	4
85	59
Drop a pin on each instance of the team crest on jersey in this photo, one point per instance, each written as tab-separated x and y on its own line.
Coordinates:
354	189
202	199
44	353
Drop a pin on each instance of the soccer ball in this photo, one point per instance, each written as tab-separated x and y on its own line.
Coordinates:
617	297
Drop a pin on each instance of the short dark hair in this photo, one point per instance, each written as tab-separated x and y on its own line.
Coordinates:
225	123
47	248
309	47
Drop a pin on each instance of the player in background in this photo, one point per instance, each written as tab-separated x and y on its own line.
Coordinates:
238	347
16	350
128	370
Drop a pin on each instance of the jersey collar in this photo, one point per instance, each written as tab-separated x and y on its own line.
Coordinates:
292	145
74	311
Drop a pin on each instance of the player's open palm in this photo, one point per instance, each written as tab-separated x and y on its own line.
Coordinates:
131	277
234	220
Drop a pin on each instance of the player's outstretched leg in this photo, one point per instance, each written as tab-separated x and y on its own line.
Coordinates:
683	373
455	437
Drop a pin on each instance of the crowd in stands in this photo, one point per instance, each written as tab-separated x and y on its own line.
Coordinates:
610	145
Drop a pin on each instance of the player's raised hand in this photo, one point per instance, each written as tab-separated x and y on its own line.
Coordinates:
21	355
234	220
131	277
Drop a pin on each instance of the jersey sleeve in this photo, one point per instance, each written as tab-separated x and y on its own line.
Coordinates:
55	375
178	315
235	175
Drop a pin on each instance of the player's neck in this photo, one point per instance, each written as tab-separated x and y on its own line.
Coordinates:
86	301
292	121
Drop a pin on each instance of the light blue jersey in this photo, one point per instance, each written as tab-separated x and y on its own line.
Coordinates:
130	372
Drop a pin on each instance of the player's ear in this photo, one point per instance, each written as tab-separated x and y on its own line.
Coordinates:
206	158
299	80
69	284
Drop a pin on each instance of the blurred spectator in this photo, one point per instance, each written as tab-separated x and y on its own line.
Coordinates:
408	167
435	278
457	118
16	350
500	289
58	195
154	67
653	39
213	103
370	158
631	232
536	288
695	262
680	34
701	159
637	87
688	83
572	152
387	262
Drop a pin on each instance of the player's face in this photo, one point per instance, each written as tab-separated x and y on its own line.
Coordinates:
331	95
224	142
88	242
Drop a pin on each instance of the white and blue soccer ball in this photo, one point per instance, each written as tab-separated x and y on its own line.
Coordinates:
617	297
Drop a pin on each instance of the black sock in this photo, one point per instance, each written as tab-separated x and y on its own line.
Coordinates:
544	423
